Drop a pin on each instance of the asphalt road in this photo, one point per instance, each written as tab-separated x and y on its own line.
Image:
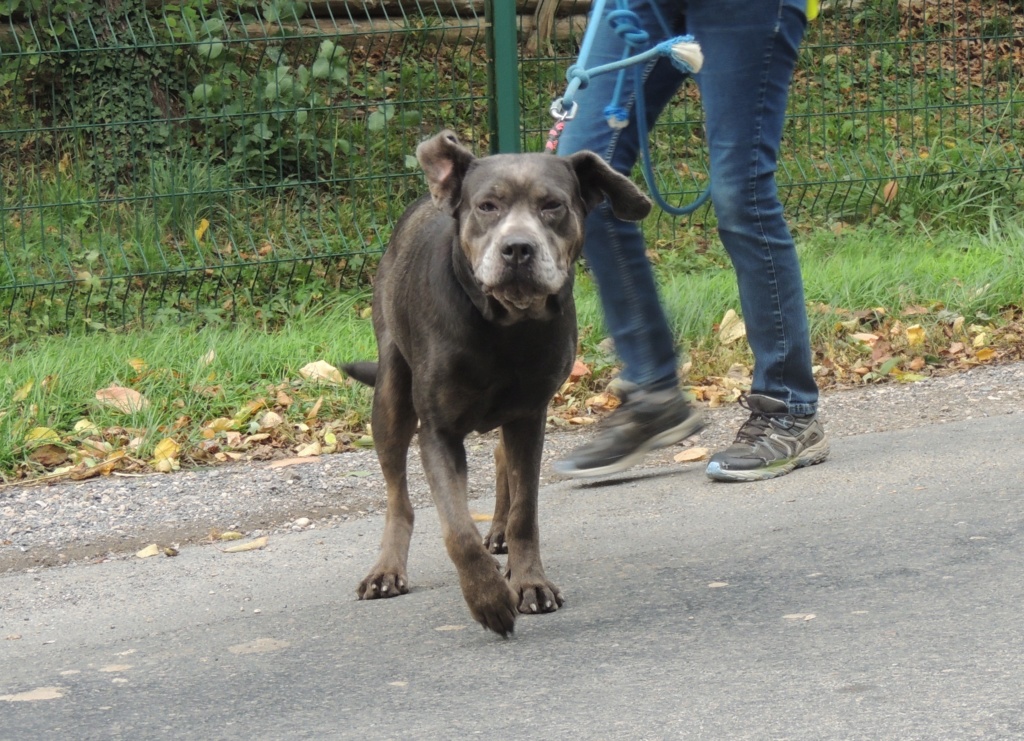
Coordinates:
876	596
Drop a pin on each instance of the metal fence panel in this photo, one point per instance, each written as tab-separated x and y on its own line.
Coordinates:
206	158
216	158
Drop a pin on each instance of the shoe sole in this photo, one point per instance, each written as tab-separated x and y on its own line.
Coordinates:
689	426
812	456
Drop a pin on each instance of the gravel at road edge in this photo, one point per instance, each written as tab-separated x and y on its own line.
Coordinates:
112	517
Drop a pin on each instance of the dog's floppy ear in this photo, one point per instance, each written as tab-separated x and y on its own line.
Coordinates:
599	181
444	161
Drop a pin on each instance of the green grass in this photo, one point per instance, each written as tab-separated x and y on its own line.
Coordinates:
184	387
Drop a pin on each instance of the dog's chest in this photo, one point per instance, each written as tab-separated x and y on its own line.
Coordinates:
484	390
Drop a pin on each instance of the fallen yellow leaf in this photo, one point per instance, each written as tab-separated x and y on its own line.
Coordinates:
42	435
481	517
284	462
138	364
690	454
603	400
985	354
270	420
311	415
86	427
166	449
866	337
312	449
231	535
321	370
242	415
22	393
204	224
252	545
221	424
915	335
149	551
731	328
582	421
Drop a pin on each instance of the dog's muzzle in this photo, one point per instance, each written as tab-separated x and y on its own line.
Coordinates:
521	279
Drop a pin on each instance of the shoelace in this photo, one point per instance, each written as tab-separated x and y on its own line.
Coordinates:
759	422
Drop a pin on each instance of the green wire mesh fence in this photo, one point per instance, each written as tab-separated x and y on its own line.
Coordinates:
890	97
213	158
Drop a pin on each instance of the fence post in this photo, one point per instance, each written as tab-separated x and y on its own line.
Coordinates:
503	75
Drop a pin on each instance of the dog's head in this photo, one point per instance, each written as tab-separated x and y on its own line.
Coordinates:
520	216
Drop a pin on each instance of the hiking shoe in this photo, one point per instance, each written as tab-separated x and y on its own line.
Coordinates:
772	442
646	421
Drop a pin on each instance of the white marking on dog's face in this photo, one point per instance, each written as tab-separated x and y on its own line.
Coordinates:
521	227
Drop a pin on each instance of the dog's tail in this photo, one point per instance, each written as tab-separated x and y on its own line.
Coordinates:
363	371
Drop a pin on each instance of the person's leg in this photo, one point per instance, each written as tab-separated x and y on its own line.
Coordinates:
655	413
750	51
614	250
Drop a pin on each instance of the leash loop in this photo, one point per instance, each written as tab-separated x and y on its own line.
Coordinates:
683	52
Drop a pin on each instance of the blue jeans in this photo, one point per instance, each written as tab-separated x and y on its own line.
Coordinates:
750	49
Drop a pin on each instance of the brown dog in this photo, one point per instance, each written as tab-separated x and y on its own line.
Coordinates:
476	330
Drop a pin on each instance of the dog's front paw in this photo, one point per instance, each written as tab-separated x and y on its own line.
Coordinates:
491	602
380	583
495	541
536	595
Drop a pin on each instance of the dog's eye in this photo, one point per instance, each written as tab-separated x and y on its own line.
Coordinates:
488	207
550	207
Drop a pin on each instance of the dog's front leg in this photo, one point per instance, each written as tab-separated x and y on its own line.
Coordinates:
523	441
490	600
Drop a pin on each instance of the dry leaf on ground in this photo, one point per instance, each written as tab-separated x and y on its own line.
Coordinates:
312	449
22	393
579	370
731	328
321	370
915	335
271	420
40	435
690	454
122	399
291	462
150	550
252	545
49	455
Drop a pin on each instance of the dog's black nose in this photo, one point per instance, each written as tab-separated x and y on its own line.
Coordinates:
517	253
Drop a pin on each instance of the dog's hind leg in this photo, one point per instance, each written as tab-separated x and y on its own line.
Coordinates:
494	541
490	600
523	440
394	422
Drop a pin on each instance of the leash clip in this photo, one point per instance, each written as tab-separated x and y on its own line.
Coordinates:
559	113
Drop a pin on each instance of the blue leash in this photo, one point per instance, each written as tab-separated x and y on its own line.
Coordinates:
682	51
